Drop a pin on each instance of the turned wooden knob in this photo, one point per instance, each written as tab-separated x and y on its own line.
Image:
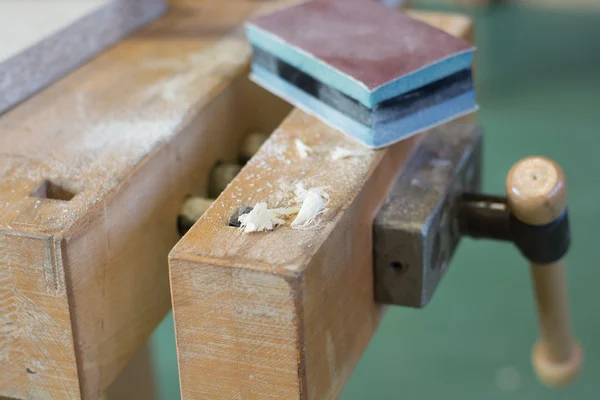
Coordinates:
537	196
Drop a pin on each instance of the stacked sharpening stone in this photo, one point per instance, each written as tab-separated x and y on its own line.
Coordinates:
374	73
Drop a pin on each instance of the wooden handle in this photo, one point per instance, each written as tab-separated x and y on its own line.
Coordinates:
537	195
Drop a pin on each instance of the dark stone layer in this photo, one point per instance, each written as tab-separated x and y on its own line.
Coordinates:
392	109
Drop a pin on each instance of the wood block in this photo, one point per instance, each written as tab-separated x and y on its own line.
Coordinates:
93	172
40	42
284	314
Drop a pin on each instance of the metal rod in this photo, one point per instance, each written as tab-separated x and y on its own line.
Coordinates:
484	217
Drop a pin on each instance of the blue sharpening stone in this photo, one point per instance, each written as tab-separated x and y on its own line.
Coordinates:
373	73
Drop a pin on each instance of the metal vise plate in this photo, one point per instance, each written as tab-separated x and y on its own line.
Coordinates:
415	232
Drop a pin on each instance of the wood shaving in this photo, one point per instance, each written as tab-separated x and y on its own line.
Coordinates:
260	219
340	153
313	204
303	149
301	193
287	211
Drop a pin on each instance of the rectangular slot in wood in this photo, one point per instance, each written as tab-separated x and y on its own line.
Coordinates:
53	191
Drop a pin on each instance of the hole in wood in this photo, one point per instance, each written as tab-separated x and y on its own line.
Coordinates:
398	266
54	191
184	225
221	176
260	114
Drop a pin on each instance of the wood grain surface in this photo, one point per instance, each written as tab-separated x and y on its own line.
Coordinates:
93	172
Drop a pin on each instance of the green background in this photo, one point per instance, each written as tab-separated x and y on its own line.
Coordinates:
539	91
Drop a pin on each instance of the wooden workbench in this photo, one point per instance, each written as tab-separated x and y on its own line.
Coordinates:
94	170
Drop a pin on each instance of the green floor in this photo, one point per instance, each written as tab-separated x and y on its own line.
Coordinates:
539	90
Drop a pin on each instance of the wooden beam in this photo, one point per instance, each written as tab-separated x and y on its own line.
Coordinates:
284	314
93	172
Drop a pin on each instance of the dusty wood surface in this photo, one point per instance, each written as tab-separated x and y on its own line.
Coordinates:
285	314
83	282
42	41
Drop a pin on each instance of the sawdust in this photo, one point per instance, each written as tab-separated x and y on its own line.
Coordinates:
309	204
135	137
275	171
225	58
280	191
313	201
94	151
92	163
260	219
302	149
340	153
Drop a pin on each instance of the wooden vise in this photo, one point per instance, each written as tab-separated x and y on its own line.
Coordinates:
95	168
